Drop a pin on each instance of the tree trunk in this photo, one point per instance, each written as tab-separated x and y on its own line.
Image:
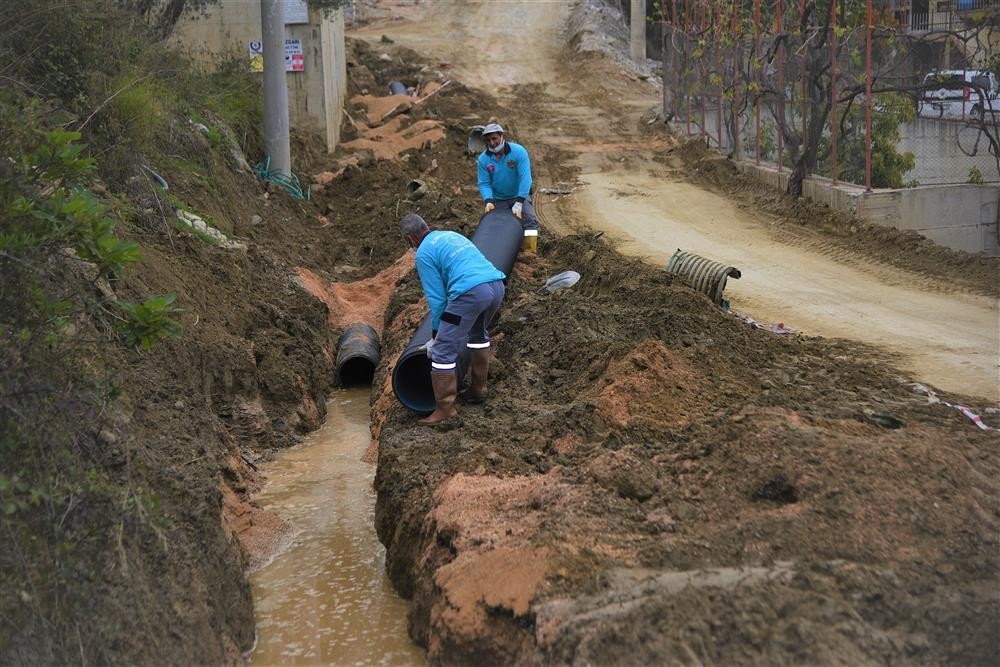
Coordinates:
796	177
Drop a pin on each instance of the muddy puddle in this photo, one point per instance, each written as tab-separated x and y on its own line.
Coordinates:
325	599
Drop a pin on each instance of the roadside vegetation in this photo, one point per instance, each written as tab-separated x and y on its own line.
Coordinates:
87	97
154	343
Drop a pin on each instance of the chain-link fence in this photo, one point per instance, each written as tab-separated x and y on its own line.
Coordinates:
845	89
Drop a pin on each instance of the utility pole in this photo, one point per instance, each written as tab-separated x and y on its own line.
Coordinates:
637	31
276	144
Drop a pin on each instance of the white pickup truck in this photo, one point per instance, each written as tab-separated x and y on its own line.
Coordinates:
958	93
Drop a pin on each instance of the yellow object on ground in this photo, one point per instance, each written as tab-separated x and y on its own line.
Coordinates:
530	244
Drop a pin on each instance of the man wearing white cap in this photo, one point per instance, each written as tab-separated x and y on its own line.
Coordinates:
504	173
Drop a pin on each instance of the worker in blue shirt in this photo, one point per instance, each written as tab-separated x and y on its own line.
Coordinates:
504	176
464	291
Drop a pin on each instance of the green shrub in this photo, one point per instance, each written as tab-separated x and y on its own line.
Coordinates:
139	107
149	321
44	205
63	494
215	137
889	166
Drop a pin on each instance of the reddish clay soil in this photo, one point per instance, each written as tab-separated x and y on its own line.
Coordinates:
654	481
362	301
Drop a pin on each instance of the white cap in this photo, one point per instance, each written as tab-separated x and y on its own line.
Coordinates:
492	128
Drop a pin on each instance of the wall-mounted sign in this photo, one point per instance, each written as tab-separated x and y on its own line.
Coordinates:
256	56
296	11
294	57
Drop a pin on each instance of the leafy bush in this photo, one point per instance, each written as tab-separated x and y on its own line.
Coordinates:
149	321
44	205
63	493
889	166
215	137
993	64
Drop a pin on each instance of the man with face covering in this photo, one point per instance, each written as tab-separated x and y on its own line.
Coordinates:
464	291
504	176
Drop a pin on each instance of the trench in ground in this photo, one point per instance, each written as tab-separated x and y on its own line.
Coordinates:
325	599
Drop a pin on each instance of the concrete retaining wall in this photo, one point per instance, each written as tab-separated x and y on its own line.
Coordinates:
316	95
961	217
945	151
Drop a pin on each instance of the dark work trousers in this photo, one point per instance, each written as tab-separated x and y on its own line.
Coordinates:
465	320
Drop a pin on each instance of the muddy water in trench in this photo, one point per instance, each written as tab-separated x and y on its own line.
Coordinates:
325	600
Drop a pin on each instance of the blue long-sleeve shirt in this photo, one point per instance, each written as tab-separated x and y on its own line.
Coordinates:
449	265
504	176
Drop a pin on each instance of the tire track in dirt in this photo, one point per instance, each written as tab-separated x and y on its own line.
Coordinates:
884	273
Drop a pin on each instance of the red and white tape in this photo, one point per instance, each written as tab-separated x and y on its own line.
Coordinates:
778	328
932	398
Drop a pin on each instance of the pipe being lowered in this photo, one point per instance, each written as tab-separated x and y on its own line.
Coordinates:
498	237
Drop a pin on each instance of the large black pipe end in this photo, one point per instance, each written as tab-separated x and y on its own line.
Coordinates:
498	236
356	372
357	356
411	382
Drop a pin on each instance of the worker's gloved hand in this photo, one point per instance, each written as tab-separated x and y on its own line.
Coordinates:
489	206
516	210
426	347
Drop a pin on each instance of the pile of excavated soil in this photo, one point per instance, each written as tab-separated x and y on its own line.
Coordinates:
654	481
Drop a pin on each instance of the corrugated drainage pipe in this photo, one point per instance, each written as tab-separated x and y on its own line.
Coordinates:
357	356
498	237
703	274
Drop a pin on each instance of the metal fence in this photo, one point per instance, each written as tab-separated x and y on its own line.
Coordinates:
844	89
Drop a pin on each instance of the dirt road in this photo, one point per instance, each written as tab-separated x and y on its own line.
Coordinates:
564	113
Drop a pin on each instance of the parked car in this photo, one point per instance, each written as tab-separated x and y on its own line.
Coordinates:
958	93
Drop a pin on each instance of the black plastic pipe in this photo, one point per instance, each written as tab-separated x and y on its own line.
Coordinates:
498	237
357	356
